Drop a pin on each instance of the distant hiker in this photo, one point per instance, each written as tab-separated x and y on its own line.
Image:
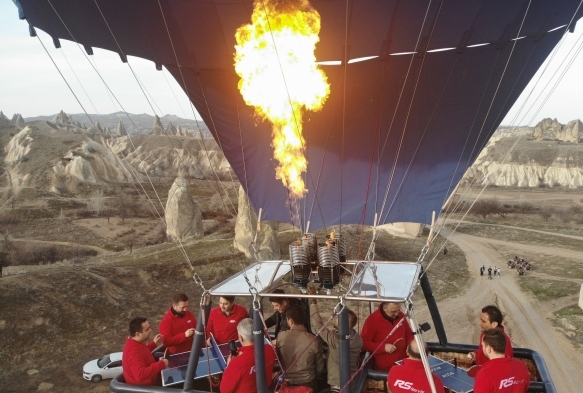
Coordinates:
489	272
445	251
482	270
178	326
138	364
498	271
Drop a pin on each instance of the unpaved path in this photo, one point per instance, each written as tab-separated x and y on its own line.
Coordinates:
526	319
98	249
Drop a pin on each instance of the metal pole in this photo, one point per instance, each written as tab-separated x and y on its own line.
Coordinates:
197	344
344	348
421	346
259	344
433	310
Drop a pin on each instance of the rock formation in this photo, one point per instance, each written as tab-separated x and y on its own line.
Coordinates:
63	120
18	121
4	121
3	116
170	129
245	227
157	128
551	129
121	130
96	129
92	163
183	214
18	147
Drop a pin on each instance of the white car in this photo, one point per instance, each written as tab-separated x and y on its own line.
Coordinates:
108	366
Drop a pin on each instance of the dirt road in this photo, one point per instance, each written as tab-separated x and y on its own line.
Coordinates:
526	319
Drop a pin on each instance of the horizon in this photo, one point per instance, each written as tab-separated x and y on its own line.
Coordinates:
33	87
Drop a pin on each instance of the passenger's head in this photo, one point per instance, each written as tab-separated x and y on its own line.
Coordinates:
413	349
494	343
280	304
490	318
245	331
295	316
180	303
391	309
352	319
140	329
226	303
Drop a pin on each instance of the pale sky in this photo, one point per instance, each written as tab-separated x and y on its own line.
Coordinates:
31	85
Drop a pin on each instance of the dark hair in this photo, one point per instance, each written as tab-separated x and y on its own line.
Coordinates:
136	325
230	299
352	318
296	314
496	339
180	297
494	314
277	300
413	349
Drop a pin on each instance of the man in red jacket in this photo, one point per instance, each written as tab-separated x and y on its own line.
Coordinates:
378	325
410	376
490	318
138	364
502	373
239	376
224	318
177	326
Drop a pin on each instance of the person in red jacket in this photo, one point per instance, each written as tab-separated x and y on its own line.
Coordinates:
410	376
177	326
502	373
490	318
239	376
138	364
224	318
386	350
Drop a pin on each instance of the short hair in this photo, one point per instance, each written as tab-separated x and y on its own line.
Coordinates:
230	299
136	325
278	300
352	318
496	339
296	314
494	314
413	349
386	304
245	329
180	297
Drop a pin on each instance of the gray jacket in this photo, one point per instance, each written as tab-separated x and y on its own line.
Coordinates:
330	336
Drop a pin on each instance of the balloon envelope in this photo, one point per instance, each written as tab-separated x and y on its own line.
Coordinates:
398	129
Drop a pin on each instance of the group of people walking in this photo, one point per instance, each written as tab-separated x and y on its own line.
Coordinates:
386	334
491	272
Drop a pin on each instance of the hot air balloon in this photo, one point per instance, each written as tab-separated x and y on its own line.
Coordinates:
416	88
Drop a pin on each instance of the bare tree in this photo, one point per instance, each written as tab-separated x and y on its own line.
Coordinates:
131	240
97	202
546	213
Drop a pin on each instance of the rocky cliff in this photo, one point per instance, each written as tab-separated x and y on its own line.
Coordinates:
551	129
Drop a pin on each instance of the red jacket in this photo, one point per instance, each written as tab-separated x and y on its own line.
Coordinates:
505	375
239	376
172	328
410	377
481	359
138	364
224	328
374	333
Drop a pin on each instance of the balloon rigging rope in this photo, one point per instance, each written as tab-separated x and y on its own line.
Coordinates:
201	141
473	184
395	113
179	156
196	277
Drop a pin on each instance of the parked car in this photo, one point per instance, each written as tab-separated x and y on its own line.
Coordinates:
108	366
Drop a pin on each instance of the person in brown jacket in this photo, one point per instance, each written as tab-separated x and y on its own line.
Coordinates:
330	337
298	348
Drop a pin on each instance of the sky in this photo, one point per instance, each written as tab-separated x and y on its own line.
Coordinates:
31	85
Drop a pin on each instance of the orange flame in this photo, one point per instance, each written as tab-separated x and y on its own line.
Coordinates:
280	78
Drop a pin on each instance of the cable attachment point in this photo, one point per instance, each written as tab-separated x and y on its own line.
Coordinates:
205	298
